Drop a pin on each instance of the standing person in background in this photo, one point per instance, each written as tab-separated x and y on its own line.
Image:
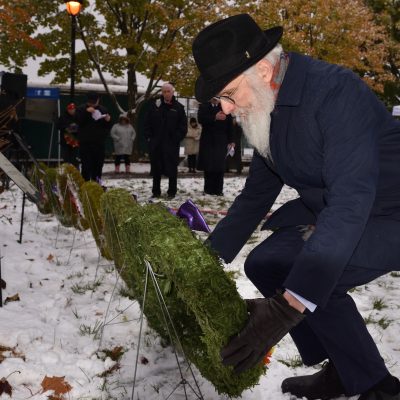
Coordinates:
215	141
94	126
192	143
123	134
235	161
69	130
165	127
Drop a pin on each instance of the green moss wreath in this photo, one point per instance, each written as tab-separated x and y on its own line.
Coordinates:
114	204
90	195
38	178
69	181
203	301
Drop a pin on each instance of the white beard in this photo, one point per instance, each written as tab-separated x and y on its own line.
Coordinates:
256	119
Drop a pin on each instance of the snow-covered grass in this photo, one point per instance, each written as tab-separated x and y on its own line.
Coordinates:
67	295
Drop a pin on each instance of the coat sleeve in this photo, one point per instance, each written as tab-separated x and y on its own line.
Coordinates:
82	116
107	125
349	126
133	133
205	116
148	131
249	208
183	125
114	134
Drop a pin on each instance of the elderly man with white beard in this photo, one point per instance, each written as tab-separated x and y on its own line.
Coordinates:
319	129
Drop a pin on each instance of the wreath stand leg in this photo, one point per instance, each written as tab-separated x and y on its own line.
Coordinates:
172	335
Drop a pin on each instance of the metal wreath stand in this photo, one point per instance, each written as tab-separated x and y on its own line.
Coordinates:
172	335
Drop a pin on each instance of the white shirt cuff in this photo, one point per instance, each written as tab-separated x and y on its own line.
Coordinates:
310	306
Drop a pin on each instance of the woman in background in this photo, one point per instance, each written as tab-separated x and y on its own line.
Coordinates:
192	143
123	134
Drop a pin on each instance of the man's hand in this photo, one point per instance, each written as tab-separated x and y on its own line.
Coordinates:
270	320
90	109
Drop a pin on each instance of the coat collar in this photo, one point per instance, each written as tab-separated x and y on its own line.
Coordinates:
291	90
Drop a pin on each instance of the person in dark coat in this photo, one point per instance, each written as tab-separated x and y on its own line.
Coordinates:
94	126
319	129
216	136
69	131
235	161
165	127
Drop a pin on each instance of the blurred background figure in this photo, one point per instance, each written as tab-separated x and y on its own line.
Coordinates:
94	126
216	139
235	161
123	134
69	131
165	126
192	143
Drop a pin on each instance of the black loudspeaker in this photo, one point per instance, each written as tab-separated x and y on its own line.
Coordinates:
13	87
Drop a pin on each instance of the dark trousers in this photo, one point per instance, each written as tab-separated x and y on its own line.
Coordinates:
172	183
70	155
338	331
92	159
213	183
191	162
120	157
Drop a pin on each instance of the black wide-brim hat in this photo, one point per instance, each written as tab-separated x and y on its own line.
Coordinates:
227	48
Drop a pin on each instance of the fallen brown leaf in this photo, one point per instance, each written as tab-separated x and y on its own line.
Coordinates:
5	387
50	257
57	384
12	298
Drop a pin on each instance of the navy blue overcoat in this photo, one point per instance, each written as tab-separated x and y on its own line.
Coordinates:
335	143
164	127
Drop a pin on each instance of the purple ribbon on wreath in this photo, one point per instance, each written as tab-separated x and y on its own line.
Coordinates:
194	218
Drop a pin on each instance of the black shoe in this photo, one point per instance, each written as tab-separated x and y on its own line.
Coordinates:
323	385
387	389
155	196
170	196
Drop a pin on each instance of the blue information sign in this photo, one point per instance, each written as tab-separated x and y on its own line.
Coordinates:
43	93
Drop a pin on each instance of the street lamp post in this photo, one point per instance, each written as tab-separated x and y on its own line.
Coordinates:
73	8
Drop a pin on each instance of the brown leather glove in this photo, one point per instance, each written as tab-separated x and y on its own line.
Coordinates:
269	321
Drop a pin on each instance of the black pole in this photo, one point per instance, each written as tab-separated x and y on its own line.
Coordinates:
22	218
72	71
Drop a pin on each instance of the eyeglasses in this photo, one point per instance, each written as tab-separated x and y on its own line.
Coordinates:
229	94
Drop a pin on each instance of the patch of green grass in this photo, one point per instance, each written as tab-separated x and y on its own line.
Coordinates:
291	362
81	289
126	292
88	330
369	320
383	322
75	312
378	304
76	275
253	239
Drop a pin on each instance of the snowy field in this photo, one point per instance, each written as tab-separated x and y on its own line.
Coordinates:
71	318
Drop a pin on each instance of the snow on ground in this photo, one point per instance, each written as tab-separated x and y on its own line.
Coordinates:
67	294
